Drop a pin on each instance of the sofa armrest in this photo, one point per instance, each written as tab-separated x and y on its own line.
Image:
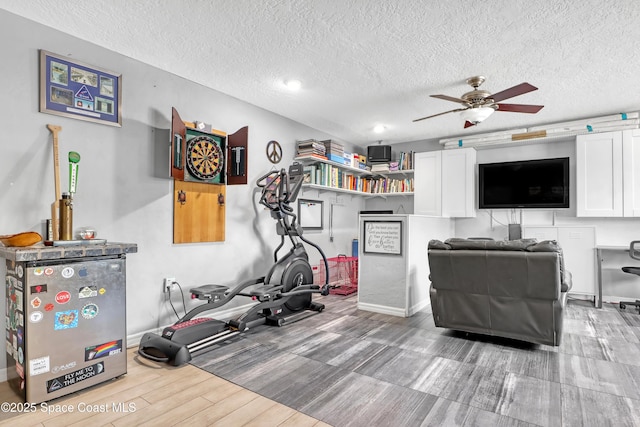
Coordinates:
567	283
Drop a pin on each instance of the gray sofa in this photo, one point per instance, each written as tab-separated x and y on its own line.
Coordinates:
514	289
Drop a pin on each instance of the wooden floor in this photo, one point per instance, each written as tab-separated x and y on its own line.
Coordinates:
347	367
159	395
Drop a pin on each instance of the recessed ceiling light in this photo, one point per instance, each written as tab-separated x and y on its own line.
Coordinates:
293	84
379	128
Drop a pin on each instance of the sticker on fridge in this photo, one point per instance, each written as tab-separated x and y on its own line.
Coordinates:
75	377
102	350
39	366
66	320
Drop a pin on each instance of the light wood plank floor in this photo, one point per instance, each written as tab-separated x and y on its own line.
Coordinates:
156	394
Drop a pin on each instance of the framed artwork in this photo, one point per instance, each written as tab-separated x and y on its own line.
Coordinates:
383	237
74	89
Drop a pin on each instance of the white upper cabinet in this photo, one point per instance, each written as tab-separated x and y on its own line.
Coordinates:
458	183
608	174
631	172
427	199
445	183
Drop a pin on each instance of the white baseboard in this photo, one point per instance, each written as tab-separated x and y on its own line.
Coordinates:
419	307
133	340
3	375
382	309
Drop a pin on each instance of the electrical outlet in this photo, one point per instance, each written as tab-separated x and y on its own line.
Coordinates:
168	284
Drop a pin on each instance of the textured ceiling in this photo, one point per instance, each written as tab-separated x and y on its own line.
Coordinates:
364	62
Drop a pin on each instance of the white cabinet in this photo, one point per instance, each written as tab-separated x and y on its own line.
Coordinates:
631	172
578	247
445	183
458	182
608	178
427	198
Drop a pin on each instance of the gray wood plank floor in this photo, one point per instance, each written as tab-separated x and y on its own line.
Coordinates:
348	367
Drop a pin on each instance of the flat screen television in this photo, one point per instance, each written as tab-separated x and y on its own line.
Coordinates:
541	184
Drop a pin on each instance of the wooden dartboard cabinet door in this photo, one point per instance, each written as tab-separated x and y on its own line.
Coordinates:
178	145
198	212
237	157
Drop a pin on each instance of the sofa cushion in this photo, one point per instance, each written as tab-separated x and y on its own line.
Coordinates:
437	244
553	246
490	245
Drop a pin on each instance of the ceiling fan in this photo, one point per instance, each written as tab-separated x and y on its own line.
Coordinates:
480	104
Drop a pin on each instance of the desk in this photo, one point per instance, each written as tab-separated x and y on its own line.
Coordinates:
611	251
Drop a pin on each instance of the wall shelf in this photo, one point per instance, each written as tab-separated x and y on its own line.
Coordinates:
353	192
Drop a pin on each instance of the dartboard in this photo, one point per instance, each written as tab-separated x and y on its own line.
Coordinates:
204	157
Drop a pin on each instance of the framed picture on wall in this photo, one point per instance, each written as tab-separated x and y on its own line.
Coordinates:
383	237
74	89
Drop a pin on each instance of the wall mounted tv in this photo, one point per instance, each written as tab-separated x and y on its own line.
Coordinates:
539	184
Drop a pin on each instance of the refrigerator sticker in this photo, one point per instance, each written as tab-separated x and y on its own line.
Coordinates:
36	302
83	272
38	271
102	291
49	307
48	271
88	292
36	316
68	272
20	370
63	297
37	289
66	320
75	377
39	366
20	271
20	355
90	311
102	350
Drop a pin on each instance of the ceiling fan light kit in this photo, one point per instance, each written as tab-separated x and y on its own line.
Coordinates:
476	115
480	104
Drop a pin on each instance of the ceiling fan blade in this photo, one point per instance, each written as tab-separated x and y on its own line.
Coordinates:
450	98
520	108
439	114
520	89
468	124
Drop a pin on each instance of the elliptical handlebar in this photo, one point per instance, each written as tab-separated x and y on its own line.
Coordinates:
280	188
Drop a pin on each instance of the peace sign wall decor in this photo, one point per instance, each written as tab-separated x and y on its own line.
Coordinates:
274	152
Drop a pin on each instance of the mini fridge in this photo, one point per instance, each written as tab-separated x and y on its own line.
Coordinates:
66	325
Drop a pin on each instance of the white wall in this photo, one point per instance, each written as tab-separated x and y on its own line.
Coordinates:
124	188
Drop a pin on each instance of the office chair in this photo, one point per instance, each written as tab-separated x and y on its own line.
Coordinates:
634	252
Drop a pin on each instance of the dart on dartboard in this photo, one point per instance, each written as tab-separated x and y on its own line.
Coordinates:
74	159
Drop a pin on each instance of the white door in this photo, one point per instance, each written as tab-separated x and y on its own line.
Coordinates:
427	198
578	245
599	175
458	182
631	171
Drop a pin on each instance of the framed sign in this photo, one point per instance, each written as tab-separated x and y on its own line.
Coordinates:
74	89
383	237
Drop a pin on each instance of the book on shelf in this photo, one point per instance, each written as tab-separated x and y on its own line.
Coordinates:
328	175
310	147
405	161
380	167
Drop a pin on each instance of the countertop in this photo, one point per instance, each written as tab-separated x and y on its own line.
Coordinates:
41	252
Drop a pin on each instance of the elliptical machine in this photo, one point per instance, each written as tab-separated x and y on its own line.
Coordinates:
284	294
